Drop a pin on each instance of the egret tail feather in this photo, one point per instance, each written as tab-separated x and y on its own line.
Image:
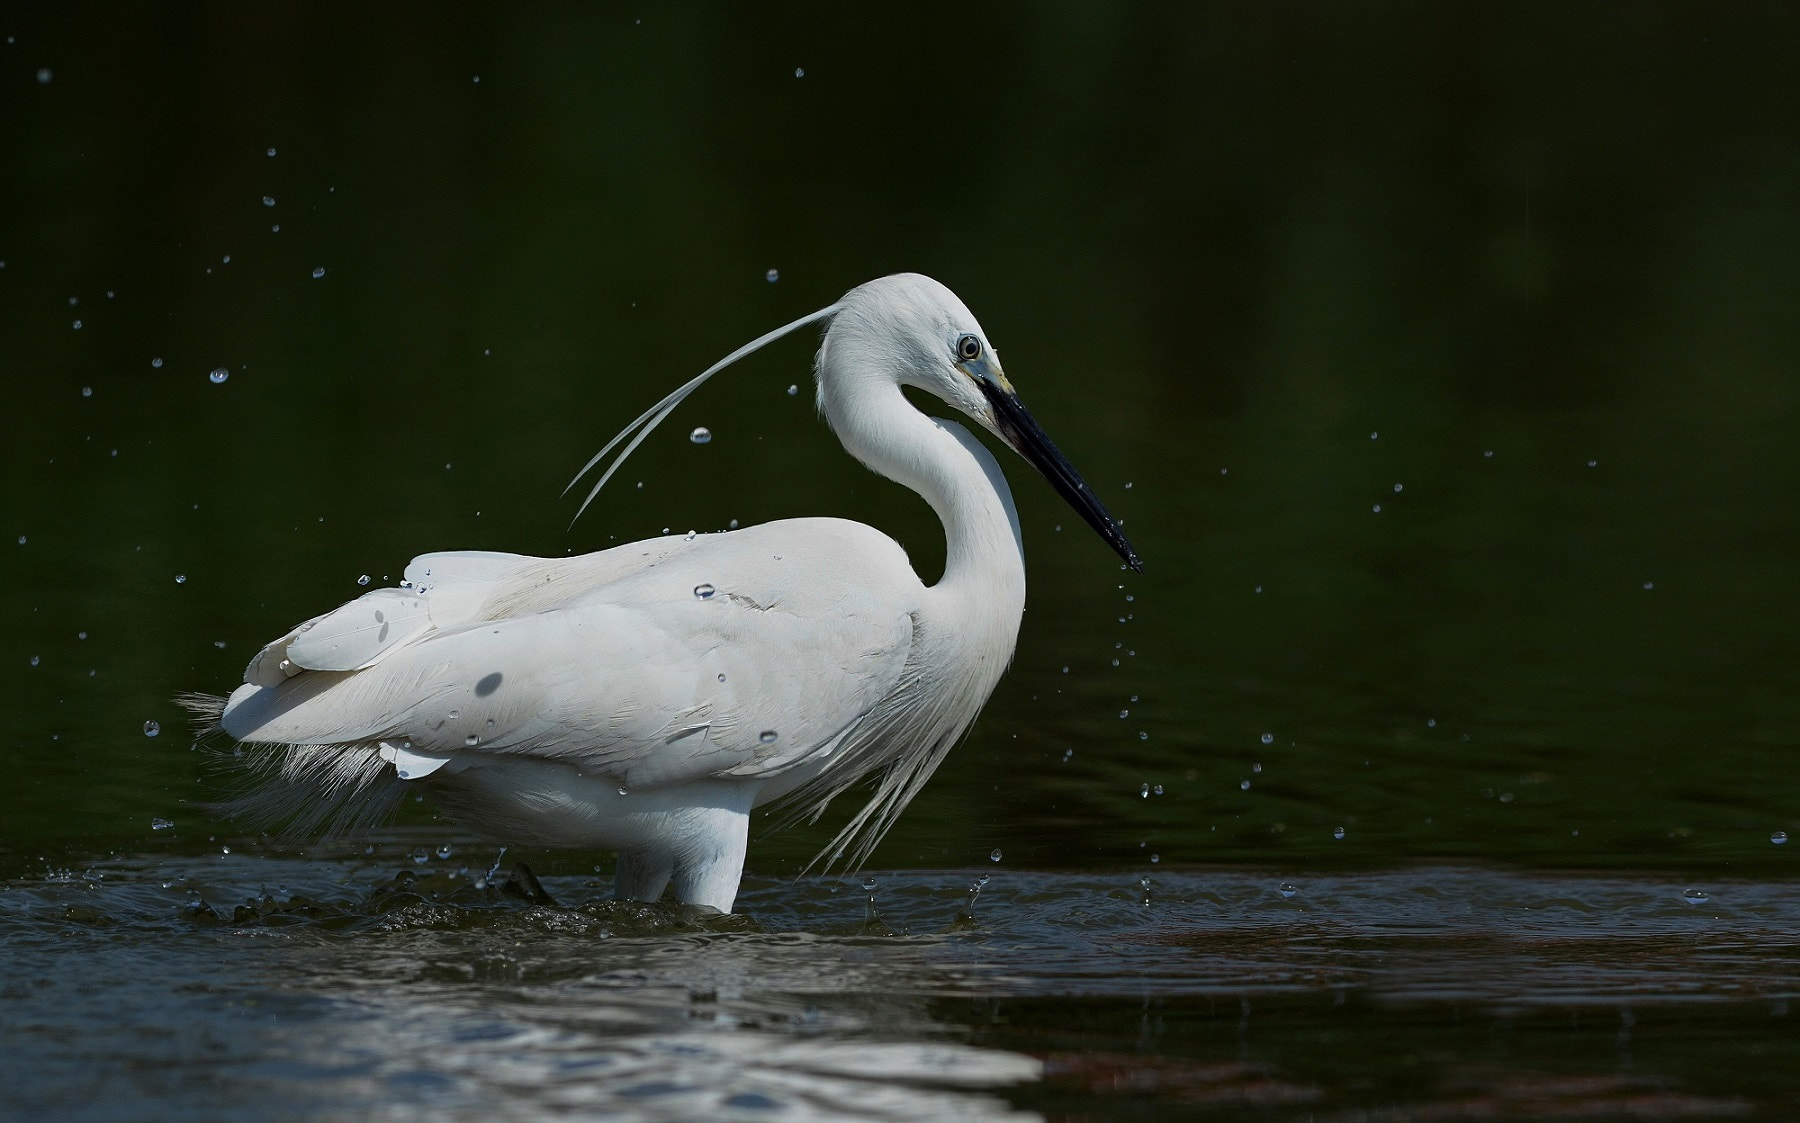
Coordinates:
298	791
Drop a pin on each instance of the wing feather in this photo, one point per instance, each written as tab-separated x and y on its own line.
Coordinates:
748	655
361	633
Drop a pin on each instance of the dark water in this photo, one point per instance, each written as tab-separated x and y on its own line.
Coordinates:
1440	360
377	986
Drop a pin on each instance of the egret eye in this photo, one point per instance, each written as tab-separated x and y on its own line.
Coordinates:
968	348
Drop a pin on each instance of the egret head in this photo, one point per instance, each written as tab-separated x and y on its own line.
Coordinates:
911	330
914	331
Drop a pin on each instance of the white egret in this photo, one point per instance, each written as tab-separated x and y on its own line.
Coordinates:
645	698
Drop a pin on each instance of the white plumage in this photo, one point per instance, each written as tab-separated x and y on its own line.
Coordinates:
646	698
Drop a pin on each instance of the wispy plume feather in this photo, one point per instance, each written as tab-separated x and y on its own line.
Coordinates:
654	416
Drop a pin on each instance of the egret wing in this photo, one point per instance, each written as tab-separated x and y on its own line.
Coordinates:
441	592
654	677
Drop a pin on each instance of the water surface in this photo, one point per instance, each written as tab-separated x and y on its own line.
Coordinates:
1441	361
381	986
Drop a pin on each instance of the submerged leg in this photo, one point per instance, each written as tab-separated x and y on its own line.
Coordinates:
700	857
707	871
700	854
642	874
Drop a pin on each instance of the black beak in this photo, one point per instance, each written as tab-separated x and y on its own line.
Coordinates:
1021	431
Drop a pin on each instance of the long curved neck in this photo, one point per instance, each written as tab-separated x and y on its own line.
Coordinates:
951	470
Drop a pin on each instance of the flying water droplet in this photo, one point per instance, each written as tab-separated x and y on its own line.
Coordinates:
151	729
160	824
1338	833
420	855
218	375
318	271
87	391
1268	738
1243	785
1288	889
444	851
772	276
701	435
793	390
363	580
768	736
1123	714
181	578
704	592
156	363
268	200
1156	789
1694	896
1779	838
1143	791
34	662
44	75
995	856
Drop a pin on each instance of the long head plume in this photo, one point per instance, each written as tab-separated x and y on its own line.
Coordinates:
654	416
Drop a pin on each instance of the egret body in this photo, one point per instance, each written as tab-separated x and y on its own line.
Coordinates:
645	698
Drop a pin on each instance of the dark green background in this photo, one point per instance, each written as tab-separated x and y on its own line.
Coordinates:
1221	249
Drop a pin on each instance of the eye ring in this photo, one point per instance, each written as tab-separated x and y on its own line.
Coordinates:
968	348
